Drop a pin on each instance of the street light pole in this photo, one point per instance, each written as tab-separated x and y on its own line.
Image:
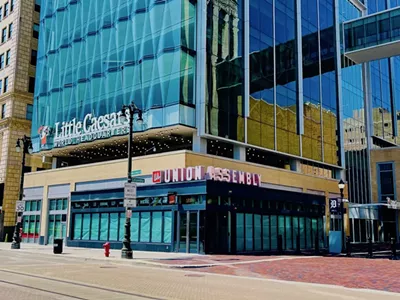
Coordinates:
341	188
27	149
129	111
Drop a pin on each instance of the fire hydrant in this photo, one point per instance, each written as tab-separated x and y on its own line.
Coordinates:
106	247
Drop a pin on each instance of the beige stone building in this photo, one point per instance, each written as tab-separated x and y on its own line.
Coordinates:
19	28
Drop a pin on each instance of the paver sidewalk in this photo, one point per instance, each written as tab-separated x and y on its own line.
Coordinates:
98	254
378	274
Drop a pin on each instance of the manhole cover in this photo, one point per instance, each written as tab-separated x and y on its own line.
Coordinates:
194	275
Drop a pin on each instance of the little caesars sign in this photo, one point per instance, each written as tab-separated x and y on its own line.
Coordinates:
91	128
209	173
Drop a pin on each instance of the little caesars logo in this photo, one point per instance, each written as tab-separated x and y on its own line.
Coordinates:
91	128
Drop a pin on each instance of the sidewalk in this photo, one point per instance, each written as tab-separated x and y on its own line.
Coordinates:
160	259
145	257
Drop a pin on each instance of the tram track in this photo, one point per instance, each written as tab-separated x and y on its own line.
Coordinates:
19	285
35	282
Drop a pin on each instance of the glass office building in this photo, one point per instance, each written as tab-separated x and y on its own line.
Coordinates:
95	56
266	82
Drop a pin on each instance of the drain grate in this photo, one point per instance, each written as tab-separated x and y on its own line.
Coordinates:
108	267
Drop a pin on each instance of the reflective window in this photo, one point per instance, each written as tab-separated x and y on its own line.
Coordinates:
386	184
224	70
113	53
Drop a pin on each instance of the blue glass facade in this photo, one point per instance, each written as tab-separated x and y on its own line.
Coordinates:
273	75
94	56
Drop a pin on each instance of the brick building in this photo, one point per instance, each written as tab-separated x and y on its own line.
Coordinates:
19	26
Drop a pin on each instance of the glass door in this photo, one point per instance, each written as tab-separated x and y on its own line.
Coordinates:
193	225
187	232
182	231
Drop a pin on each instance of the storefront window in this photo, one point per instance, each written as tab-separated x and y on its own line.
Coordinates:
121	226
274	233
239	232
266	242
57	216
25	229
249	232
114	226
308	232
281	229
156	227
135	227
321	232
167	226
78	227
145	227
257	233
295	231
37	227
33	206
51	228
86	227
94	229
314	232
289	244
302	233
104	227
53	204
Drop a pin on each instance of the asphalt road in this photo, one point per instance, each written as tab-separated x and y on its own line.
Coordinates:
42	276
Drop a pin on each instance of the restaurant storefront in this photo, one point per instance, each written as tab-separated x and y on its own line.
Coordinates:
227	206
210	215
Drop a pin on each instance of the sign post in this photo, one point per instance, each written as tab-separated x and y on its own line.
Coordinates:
138	180
136	172
20	206
130	192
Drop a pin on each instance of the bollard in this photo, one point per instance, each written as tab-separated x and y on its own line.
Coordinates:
298	244
348	246
370	254
316	244
280	244
6	239
393	247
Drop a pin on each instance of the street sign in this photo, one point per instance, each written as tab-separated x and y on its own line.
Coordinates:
129	213
130	191
393	204
138	180
20	206
136	172
334	205
130	203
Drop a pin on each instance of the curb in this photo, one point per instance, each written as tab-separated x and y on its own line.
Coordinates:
113	260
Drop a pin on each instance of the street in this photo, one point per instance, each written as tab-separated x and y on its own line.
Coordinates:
26	275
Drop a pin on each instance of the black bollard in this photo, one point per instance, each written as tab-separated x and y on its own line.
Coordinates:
348	246
280	244
298	244
393	247
370	254
316	244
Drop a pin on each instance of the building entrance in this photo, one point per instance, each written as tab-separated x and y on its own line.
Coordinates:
187	231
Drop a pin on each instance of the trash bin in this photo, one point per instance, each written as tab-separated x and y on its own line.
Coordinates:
58	246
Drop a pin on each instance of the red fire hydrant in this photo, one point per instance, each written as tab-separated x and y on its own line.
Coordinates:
106	247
